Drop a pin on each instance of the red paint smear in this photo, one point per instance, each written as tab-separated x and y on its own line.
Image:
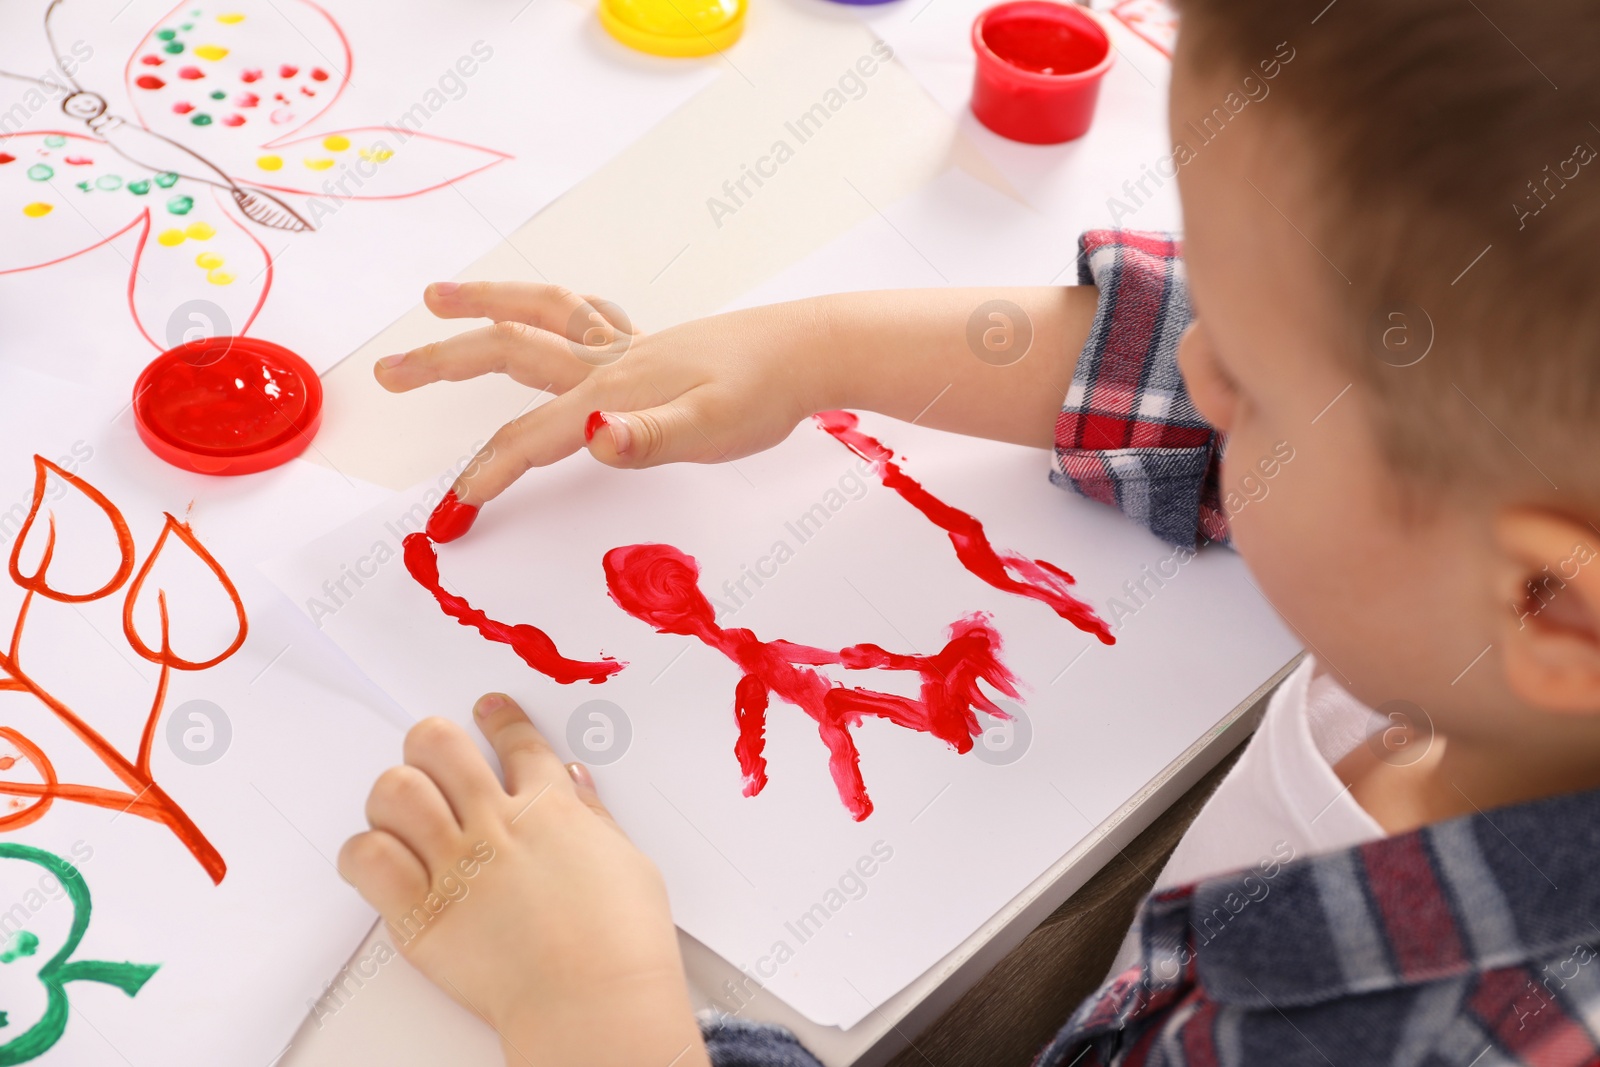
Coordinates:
183	107
7	157
451	519
151	61
149	81
1007	571
659	585
307	91
592	424
248	100
532	644
7	762
233	120
318	74
248	76
286	71
192	74
78	161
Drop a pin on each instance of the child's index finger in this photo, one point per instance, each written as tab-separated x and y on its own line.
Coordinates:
530	764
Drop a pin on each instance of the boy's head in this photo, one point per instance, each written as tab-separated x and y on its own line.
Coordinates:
1392	217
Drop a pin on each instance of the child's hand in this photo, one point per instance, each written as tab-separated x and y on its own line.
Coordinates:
705	391
525	903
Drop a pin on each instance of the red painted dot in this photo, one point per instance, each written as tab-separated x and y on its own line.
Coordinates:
249	76
7	157
287	71
79	161
233	120
151	61
149	81
319	75
248	100
192	74
280	98
183	107
306	90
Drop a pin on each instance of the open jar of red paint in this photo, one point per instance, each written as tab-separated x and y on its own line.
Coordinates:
227	405
1039	70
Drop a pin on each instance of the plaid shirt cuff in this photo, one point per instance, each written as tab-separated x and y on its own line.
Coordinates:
1128	434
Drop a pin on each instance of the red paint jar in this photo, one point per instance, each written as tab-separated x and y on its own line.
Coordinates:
1039	70
227	405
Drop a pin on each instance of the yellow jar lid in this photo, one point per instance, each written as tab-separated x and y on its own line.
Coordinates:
674	27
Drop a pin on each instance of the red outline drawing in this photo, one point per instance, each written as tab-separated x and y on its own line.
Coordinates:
143	797
182	157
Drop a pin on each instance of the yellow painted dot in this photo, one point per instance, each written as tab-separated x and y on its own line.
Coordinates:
270	162
219	277
319	164
336	143
170	238
232	18
208	260
377	155
210	51
37	210
199	231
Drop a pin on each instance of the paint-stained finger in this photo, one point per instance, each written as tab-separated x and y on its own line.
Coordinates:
587	320
529	763
537	438
443	751
407	803
679	431
525	353
386	873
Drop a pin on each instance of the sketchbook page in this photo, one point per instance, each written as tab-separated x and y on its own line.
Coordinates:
293	170
1122	173
830	891
955	231
205	854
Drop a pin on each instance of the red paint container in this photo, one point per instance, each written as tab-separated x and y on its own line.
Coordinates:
227	405
1039	70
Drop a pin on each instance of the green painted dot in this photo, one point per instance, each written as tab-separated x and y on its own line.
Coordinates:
85	186
166	35
40	172
167	180
108	182
219	95
22	943
172	48
180	205
55	140
186	27
139	188
200	118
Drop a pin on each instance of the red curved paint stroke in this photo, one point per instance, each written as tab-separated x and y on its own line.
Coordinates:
531	644
659	585
142	796
1007	571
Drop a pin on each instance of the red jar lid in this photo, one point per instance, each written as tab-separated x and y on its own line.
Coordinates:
227	405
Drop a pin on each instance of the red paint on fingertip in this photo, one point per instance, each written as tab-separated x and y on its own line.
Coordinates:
451	519
592	424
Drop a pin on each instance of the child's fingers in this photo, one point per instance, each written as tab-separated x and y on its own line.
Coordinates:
679	431
530	764
538	438
443	751
386	873
546	307
583	782
406	803
527	354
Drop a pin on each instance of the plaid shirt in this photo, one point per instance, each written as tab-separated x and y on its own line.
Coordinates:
1470	942
1128	434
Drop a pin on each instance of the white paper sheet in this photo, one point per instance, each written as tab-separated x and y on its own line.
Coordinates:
409	141
1120	174
269	753
777	883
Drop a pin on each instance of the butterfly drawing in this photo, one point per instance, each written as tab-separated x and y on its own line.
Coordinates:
207	156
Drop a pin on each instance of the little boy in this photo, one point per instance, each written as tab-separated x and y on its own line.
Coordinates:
1388	271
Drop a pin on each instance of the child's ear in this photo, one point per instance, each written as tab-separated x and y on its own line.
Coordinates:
1549	581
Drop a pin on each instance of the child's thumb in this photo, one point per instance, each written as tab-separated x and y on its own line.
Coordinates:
671	433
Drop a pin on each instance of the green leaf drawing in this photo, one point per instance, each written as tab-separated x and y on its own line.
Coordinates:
60	969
